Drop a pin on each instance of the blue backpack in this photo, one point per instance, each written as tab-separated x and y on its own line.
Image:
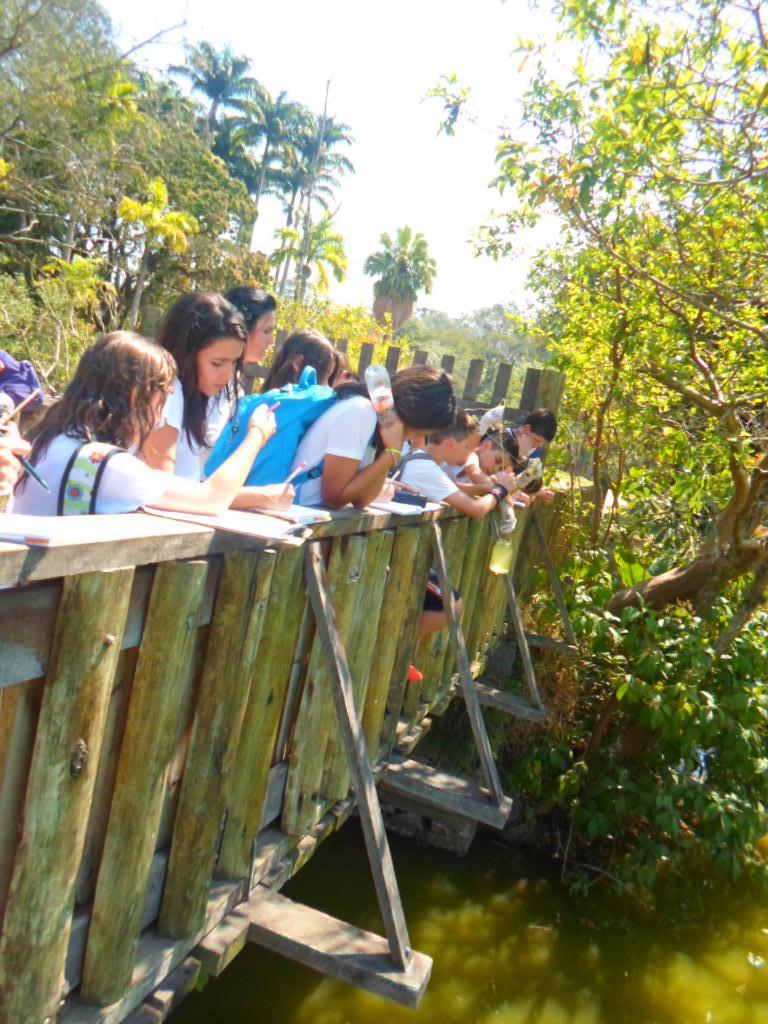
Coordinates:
300	405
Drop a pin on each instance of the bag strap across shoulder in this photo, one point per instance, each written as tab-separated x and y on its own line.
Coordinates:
80	481
417	456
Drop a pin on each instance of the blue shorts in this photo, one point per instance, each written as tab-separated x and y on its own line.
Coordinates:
433	599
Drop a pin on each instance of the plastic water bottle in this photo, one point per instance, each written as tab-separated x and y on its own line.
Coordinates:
502	553
491	418
380	392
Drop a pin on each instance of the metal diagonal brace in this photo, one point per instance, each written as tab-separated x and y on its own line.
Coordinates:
517	625
465	671
379	855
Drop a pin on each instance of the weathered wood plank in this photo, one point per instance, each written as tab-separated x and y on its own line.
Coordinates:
315	719
501	385
19	710
393	358
474	379
334	947
366	358
407	642
437	789
377	847
142	772
222	944
168	995
474	713
221	703
391	622
420	357
509	703
38	912
447	363
361	651
247	786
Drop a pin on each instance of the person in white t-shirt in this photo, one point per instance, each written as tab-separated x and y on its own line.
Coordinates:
348	454
206	335
425	469
11	445
116	397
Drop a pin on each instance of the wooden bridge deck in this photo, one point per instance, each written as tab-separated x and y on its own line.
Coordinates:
168	740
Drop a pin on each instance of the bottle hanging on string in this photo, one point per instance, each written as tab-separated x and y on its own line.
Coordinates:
380	392
503	552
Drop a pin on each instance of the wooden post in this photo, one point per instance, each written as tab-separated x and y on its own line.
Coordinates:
342	345
474	378
420	358
447	363
554	579
366	358
314	720
391	622
247	784
520	637
224	689
501	387
487	763
360	653
379	856
38	914
145	757
393	358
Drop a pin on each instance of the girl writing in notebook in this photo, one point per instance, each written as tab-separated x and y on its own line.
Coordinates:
85	446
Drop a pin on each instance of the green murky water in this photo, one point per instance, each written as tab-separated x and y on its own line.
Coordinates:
512	946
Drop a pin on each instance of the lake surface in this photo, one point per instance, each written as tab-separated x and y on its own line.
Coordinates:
511	945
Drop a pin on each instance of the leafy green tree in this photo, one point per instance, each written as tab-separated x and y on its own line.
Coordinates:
221	77
403	268
654	154
321	250
158	227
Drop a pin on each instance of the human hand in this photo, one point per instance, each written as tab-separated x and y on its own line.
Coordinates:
521	497
274	496
264	420
393	435
546	495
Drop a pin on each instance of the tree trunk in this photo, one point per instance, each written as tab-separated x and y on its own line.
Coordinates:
141	280
400	310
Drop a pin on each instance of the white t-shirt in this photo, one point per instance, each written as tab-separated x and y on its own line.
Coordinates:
426	476
190	458
346	430
459	473
126	484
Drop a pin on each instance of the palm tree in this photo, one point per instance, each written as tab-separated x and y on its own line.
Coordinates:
278	119
403	268
221	77
322	250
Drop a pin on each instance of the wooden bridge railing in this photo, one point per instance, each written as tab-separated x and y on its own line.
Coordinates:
541	387
167	736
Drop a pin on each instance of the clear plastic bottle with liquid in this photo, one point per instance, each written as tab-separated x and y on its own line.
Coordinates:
380	392
502	552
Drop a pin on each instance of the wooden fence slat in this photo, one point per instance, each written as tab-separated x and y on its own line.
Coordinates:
369	809
474	379
248	782
391	622
366	358
342	345
420	357
393	358
314	721
218	717
501	385
38	913
360	652
407	642
447	363
142	771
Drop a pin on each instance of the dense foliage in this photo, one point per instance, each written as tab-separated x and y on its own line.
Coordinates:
118	191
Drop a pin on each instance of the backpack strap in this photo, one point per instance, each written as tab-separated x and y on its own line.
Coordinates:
417	456
80	481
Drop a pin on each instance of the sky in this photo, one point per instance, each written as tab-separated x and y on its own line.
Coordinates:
381	61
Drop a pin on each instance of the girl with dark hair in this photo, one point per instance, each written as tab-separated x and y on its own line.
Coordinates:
258	310
83	447
348	454
305	348
206	336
